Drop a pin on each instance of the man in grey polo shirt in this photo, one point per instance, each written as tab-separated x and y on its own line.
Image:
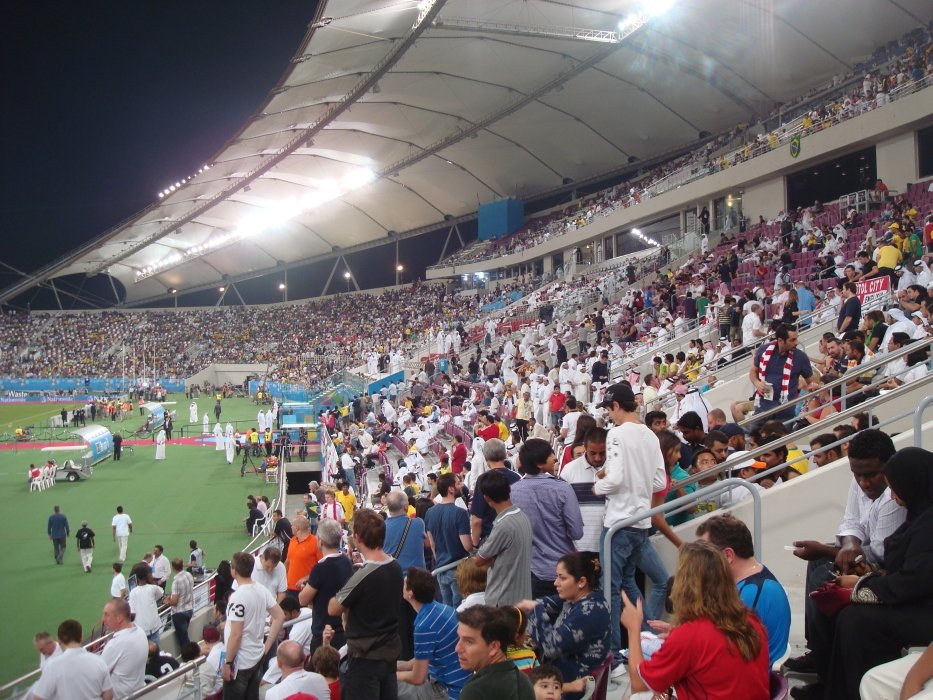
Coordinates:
552	510
507	550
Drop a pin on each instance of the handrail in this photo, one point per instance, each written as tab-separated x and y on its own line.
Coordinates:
732	462
162	681
880	360
448	567
671	505
918	419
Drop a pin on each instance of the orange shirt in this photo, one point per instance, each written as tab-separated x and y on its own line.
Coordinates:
302	556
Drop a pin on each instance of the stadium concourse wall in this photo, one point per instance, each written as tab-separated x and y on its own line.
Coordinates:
892	129
99	385
219	374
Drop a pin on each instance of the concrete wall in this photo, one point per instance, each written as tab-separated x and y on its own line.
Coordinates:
219	374
764	199
897	160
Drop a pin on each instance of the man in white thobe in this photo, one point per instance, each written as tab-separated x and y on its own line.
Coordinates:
229	443
206	425
218	438
193	412
160	445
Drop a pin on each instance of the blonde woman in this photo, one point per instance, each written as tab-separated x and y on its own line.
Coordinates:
715	648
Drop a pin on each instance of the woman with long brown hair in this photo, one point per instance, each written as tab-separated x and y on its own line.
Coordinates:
716	649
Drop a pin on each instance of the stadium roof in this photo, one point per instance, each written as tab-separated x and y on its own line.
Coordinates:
394	115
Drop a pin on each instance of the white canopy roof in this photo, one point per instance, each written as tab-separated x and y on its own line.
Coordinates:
386	122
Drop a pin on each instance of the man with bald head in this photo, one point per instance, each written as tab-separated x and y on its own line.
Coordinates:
127	651
303	554
290	659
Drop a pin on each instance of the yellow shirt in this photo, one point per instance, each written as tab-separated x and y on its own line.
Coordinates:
889	256
348	501
797	460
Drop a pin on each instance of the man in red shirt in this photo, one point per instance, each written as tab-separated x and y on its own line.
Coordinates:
928	233
557	400
459	455
486	427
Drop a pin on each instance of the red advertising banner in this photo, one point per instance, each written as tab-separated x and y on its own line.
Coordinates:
874	289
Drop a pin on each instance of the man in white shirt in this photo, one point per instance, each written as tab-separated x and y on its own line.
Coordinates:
127	651
181	600
633	471
290	659
871	515
270	573
246	621
118	582
751	325
122	526
47	647
580	473
77	674
160	566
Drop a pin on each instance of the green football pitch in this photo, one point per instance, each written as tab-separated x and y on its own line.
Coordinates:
192	494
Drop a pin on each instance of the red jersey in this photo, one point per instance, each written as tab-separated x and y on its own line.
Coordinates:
557	401
459	458
699	662
489	432
928	234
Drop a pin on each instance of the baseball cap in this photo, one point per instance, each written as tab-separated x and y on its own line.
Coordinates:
618	393
690	420
732	429
746	464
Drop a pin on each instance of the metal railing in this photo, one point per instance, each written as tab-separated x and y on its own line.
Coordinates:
918	420
851	375
733	462
727	484
261	539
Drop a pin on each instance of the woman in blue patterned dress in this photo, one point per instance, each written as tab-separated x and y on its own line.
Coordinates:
571	629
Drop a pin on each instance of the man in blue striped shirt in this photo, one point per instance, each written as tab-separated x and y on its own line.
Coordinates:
435	668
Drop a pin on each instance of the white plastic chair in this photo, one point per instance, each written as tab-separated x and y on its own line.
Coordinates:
36	484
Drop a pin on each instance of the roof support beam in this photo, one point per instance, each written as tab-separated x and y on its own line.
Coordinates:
627	169
511	108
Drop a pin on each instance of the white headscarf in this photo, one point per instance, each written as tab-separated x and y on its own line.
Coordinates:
694	401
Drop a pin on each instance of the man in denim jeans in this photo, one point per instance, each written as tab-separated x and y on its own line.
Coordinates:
633	471
448	527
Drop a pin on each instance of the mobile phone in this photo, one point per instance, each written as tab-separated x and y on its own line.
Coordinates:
789	547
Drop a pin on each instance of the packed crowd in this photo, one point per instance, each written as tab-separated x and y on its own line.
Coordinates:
518	525
302	343
911	62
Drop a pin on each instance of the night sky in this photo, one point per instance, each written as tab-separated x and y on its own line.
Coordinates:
106	103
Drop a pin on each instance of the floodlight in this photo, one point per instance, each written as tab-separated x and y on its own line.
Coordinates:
346	275
656	8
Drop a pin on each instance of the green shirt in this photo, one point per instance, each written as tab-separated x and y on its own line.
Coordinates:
702	303
501	681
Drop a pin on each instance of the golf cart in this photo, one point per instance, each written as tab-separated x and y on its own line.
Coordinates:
98	446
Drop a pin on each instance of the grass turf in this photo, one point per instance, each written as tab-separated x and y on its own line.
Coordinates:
192	494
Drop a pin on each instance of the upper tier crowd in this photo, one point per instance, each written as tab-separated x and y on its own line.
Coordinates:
911	61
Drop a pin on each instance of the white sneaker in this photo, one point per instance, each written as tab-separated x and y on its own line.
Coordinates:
618	671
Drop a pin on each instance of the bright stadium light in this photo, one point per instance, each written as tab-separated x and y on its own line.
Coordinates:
656	8
269	215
